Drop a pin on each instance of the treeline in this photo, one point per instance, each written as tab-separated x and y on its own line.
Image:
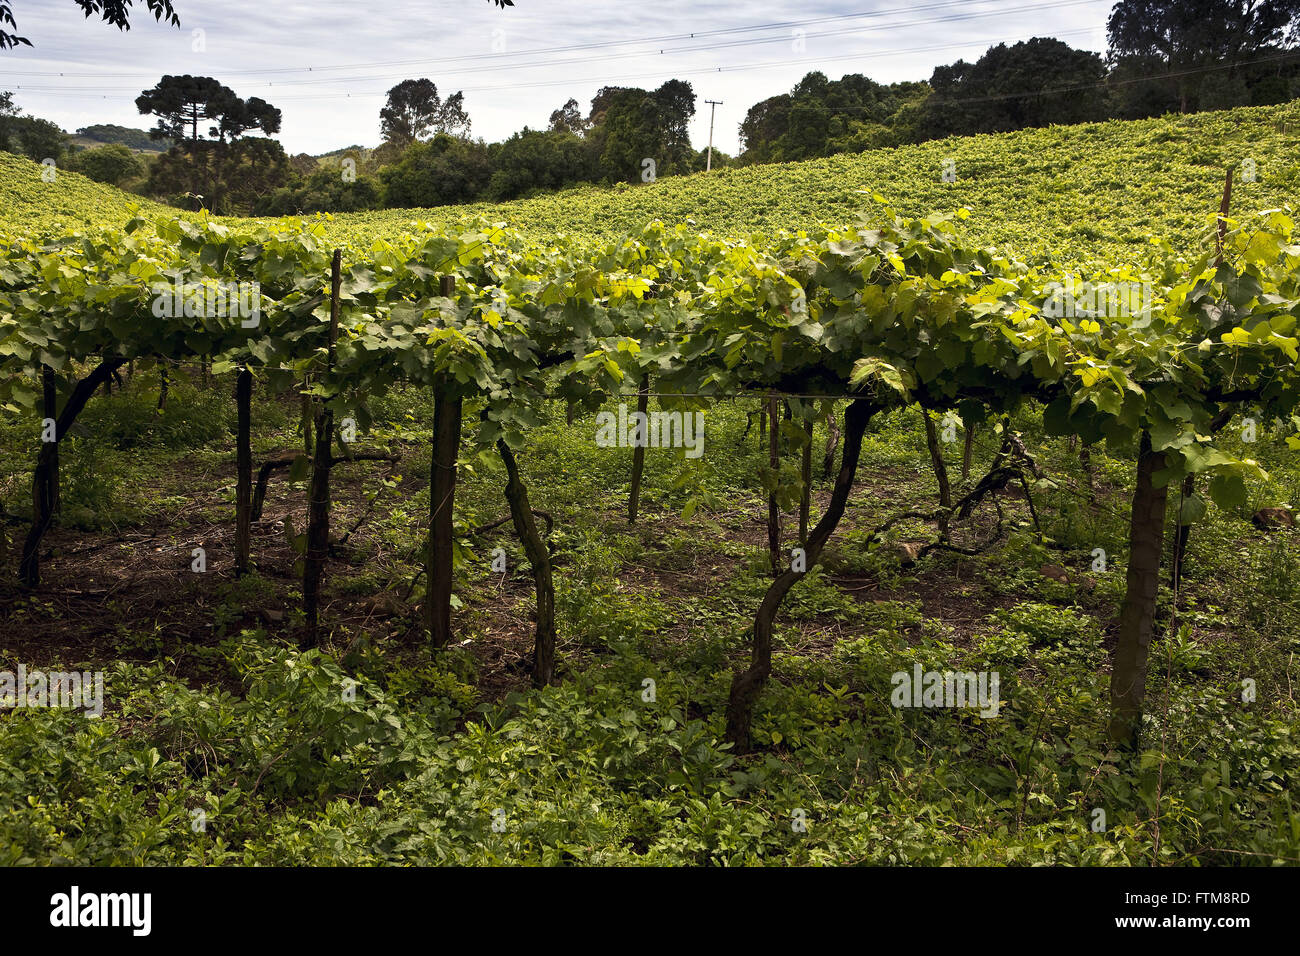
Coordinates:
628	135
1039	82
428	157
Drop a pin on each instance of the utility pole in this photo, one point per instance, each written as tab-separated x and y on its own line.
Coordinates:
713	108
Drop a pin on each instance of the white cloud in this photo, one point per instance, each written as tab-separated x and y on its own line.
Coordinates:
327	64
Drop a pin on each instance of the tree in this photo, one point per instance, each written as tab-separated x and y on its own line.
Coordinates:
700	161
605	97
629	126
1141	87
676	101
410	111
629	135
304	164
820	117
443	171
386	153
232	173
452	118
324	190
568	119
236	117
249	170
136	139
1030	84
8	112
765	122
235	178
811	120
113	164
1178	40
532	160
414	110
180	102
37	139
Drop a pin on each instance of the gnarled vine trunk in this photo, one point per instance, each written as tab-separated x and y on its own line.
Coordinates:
1182	534
43	482
539	557
832	440
318	526
805	474
318	504
747	684
940	470
50	405
968	451
1137	616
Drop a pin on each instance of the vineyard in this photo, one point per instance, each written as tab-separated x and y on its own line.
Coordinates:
354	514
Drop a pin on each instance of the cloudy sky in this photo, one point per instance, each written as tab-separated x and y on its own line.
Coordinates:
327	64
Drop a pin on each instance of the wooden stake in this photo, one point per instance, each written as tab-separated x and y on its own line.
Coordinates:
51	410
244	470
318	506
638	453
774	462
439	567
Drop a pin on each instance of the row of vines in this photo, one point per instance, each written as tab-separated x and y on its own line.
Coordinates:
885	313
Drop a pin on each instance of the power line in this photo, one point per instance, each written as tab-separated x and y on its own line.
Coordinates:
623	55
766	64
873	14
947	101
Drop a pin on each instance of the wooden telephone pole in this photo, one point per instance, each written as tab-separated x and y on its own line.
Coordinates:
713	108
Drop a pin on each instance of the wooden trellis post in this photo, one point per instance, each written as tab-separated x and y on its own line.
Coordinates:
244	469
774	462
318	505
442	492
638	453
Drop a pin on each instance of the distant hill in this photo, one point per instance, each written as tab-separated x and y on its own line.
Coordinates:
104	134
332	158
